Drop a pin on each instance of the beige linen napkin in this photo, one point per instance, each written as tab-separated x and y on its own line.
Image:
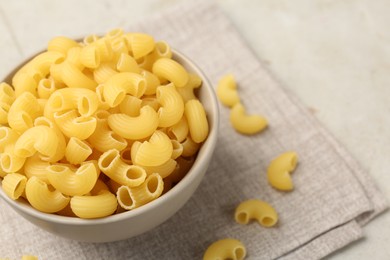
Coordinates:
333	197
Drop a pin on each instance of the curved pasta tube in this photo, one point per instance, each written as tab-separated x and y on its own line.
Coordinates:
73	56
124	82
70	182
187	92
61	44
172	105
179	131
171	70
227	91
177	149
163	170
35	166
102	73
8	136
43	121
23	111
73	77
84	100
40	196
131	198
152	82
40	139
190	148
278	172
77	151
94	206
89	39
140	44
134	128
9	161
14	184
130	105
7	93
26	81
246	124
42	62
103	138
126	63
263	212
46	87
154	152
110	164
150	101
103	105
89	56
104	49
197	120
4	108
72	125
227	248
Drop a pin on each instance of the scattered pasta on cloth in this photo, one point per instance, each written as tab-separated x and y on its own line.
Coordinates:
332	198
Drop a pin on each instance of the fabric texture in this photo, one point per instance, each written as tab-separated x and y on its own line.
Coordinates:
332	199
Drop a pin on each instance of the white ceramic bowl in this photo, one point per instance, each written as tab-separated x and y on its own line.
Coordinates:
144	218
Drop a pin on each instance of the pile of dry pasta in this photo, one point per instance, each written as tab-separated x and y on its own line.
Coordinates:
99	126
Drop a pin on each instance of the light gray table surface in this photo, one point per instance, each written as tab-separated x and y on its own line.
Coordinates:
334	55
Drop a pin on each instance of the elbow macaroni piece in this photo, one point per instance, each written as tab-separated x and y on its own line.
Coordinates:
263	212
23	111
246	124
172	71
70	182
172	105
77	151
61	44
134	128
73	125
197	120
154	152
227	91
278	172
140	44
14	184
131	198
227	248
40	196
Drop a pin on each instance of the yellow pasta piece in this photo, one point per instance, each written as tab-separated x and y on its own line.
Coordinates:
187	92
130	105
150	101
4	109
42	62
172	105
9	161
102	204
179	131
26	81
89	56
126	63
40	139
104	49
70	182
171	70
163	170
197	120
131	198
132	83
190	148
14	184
77	151
163	50
244	123
259	210
110	164
61	44
23	111
152	82
46	87
7	93
74	56
154	152
35	166
8	136
29	257
227	248
177	149
59	154
140	44
73	125
104	72
74	78
103	138
227	91
89	39
134	128
278	173
42	198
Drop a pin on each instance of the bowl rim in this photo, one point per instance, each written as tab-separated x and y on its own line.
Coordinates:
206	150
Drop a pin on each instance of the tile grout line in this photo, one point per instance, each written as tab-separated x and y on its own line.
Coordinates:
9	28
